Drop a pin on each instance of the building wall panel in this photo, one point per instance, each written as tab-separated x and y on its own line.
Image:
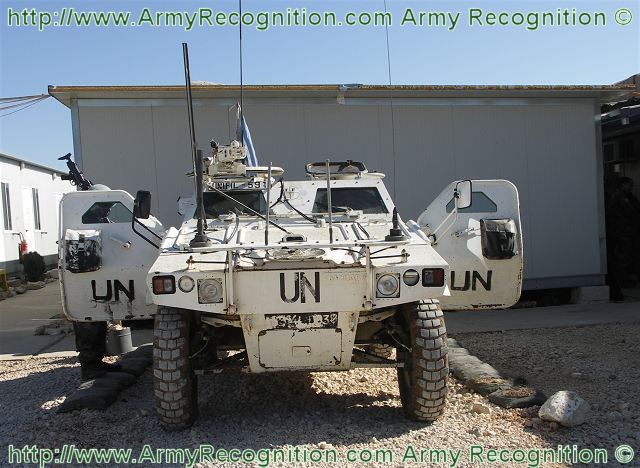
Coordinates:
547	147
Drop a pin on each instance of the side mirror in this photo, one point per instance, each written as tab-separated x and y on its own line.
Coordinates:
463	194
142	204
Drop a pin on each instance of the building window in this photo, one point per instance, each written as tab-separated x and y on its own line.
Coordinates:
6	206
36	208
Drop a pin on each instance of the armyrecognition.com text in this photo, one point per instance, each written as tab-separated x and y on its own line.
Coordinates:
302	17
452	457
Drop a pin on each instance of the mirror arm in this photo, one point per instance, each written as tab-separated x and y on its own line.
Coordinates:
453	213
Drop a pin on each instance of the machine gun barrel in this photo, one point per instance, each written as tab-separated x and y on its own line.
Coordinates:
75	175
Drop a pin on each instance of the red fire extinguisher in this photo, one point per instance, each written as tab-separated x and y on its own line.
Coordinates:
22	248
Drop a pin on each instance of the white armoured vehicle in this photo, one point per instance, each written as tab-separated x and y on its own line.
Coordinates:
269	275
313	275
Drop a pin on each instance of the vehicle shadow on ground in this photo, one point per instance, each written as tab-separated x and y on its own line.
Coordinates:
44	385
298	408
236	411
29	397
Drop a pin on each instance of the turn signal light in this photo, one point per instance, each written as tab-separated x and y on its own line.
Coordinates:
164	284
432	277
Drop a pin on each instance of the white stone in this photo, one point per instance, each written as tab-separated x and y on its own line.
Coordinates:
479	408
566	408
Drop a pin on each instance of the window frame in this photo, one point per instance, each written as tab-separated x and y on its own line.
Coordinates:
5	199
232	193
113	204
35	201
375	188
448	208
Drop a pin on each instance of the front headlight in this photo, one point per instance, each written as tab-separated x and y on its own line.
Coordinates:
210	291
186	284
388	285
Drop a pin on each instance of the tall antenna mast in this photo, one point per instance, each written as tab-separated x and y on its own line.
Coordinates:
200	239
240	126
393	120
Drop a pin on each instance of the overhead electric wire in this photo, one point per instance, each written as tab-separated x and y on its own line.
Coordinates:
22	98
22	106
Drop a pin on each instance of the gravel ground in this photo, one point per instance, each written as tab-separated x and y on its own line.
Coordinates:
358	410
601	363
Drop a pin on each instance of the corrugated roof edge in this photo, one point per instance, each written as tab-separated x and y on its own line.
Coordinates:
63	93
52	170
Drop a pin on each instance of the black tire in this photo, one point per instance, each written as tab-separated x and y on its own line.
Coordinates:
423	379
381	350
174	382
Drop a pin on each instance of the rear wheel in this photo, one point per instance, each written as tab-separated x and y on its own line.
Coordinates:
423	379
174	382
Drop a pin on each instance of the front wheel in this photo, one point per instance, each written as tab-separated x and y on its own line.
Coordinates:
174	382
423	379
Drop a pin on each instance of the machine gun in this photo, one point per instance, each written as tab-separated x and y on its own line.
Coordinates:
75	175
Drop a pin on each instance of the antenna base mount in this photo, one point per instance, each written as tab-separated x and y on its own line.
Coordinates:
200	240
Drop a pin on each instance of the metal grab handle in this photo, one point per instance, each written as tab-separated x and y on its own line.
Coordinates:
123	244
467	231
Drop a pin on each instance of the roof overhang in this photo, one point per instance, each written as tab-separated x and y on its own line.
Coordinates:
603	93
24	162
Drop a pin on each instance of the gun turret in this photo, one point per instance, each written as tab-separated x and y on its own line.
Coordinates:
75	175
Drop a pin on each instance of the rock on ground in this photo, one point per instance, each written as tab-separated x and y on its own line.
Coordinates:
566	408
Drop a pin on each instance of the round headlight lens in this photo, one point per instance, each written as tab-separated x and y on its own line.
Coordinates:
388	285
411	277
209	291
186	284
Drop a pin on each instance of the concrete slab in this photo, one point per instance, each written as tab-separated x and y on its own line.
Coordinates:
22	314
26	347
590	294
541	317
22	346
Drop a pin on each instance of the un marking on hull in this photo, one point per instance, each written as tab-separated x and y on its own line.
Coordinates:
301	284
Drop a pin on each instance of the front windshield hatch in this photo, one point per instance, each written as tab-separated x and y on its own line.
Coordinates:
365	199
216	205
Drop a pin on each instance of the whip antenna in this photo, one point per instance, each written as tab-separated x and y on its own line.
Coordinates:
240	123
393	120
200	239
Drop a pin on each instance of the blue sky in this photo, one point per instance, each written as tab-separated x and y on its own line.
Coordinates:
30	60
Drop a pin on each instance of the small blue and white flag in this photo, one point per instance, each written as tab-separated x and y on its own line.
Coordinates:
252	159
242	132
